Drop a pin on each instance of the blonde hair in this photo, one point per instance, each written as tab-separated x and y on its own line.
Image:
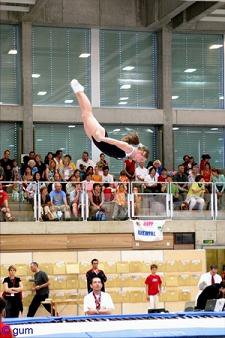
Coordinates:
131	138
145	150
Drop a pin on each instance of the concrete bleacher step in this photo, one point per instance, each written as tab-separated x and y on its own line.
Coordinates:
23	215
14	206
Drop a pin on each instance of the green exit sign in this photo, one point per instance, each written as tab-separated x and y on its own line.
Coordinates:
208	241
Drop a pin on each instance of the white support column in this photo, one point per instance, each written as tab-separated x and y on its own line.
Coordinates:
95	81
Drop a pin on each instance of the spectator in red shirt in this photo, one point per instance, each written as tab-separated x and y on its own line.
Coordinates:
5	331
205	159
4	205
129	168
153	287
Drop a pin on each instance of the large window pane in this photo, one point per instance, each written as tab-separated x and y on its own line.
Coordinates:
57	59
148	136
128	63
9	65
197	71
196	141
71	139
9	139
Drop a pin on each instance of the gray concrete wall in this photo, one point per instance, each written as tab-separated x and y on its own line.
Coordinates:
204	230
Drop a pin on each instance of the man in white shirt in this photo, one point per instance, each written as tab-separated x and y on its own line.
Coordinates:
209	278
141	172
98	302
85	161
106	177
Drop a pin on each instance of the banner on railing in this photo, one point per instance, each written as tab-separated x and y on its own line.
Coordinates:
148	230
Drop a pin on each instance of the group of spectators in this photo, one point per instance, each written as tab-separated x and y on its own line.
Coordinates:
61	190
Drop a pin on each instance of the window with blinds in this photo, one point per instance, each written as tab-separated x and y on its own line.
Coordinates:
58	56
71	139
9	139
128	65
196	141
9	65
147	134
197	71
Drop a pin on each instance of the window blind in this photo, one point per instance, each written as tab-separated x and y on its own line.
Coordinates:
9	139
71	139
128	63
196	141
56	59
197	70
9	65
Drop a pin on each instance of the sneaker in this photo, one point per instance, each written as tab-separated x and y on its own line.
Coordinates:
76	86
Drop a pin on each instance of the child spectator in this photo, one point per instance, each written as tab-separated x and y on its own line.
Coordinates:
96	177
76	199
153	287
137	201
120	207
15	170
123	176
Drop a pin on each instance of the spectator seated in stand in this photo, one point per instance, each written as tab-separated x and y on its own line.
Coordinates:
108	192
6	164
4	205
219	180
151	181
102	162
120	207
129	168
123	176
50	171
106	177
66	169
195	194
32	186
141	172
96	198
137	201
70	186
59	203
158	167
40	165
58	159
96	177
46	206
85	161
182	180
205	159
173	190
193	173
76	200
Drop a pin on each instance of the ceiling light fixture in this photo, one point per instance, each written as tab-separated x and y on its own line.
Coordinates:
125	86
71	126
12	51
41	93
190	70
215	46
221	98
214	128
128	68
174	97
124	98
176	128
84	55
122	102
68	101
36	76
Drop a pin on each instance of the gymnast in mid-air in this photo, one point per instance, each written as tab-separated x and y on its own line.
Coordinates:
129	146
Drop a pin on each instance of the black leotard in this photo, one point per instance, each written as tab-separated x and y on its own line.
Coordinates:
110	149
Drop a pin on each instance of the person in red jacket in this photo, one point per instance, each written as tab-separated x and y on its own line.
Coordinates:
5	331
4	204
153	287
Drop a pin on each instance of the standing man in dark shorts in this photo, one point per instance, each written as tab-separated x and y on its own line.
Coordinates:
95	272
41	286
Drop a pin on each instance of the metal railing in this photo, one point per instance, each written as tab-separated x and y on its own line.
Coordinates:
174	200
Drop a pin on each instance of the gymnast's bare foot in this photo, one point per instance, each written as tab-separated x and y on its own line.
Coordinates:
76	86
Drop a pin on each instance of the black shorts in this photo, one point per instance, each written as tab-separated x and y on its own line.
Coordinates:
109	149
